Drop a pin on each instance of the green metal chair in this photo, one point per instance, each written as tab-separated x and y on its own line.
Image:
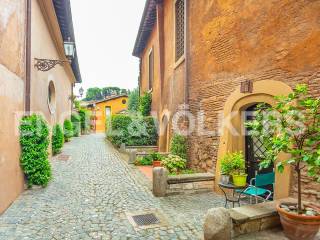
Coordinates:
256	188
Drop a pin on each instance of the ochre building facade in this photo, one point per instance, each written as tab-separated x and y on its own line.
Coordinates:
266	47
31	29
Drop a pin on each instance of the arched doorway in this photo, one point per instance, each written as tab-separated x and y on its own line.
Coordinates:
232	138
255	151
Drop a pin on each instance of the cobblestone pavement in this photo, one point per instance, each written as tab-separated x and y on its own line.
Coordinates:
90	196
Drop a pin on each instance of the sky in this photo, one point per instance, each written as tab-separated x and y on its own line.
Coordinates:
105	32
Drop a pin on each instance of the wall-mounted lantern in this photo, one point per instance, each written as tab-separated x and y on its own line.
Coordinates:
81	91
45	65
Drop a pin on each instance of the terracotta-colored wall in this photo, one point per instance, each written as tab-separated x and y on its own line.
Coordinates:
233	40
43	46
116	106
12	32
168	95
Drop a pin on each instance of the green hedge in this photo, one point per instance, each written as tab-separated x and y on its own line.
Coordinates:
68	130
34	141
179	146
85	120
57	139
132	130
76	123
145	104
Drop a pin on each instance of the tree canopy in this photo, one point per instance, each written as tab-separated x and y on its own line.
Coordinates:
97	94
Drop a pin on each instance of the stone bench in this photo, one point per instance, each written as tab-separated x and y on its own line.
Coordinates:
164	185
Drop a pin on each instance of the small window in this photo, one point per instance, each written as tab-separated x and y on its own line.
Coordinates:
108	112
51	97
124	101
151	68
179	29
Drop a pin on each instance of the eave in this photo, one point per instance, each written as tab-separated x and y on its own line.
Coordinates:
147	23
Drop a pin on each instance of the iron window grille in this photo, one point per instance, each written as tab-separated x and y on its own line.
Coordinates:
179	28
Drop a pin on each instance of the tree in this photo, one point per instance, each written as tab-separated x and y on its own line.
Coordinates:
94	94
145	104
133	102
291	126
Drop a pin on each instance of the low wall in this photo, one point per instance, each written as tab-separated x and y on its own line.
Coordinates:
164	185
142	149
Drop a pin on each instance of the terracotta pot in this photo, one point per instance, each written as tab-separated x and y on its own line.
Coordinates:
298	227
156	164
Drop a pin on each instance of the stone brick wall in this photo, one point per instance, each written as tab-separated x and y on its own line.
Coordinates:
234	40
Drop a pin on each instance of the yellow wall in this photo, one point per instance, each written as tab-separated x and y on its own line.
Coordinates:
116	106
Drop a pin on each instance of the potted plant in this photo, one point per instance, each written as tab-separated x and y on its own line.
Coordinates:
292	126
156	158
226	168
237	169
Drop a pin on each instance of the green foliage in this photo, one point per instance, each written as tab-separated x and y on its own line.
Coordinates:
101	93
132	130
34	141
57	139
144	161
76	123
291	126
76	104
174	163
178	146
155	156
184	171
68	130
94	94
233	163
85	120
145	104
133	103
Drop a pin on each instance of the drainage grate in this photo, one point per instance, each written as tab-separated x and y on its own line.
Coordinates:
63	157
146	219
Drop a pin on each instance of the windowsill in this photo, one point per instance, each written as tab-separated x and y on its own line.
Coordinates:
179	62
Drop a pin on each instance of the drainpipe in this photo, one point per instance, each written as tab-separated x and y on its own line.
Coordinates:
187	54
28	58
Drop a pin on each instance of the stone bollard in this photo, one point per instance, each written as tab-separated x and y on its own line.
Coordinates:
160	178
132	157
123	148
217	225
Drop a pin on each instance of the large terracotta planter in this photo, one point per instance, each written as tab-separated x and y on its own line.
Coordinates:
156	164
298	227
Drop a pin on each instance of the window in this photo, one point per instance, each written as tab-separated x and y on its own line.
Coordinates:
51	97
151	68
108	112
179	29
124	101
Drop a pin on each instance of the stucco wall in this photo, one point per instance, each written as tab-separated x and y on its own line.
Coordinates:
12	15
235	40
43	46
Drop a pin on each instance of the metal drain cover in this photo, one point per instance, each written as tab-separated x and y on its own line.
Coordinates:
146	219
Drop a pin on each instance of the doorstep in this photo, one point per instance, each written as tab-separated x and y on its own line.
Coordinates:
255	218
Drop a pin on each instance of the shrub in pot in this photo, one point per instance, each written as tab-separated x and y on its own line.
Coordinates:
292	126
226	168
238	168
156	159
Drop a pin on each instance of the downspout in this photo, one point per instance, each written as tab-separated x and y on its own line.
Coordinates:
28	59
187	55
